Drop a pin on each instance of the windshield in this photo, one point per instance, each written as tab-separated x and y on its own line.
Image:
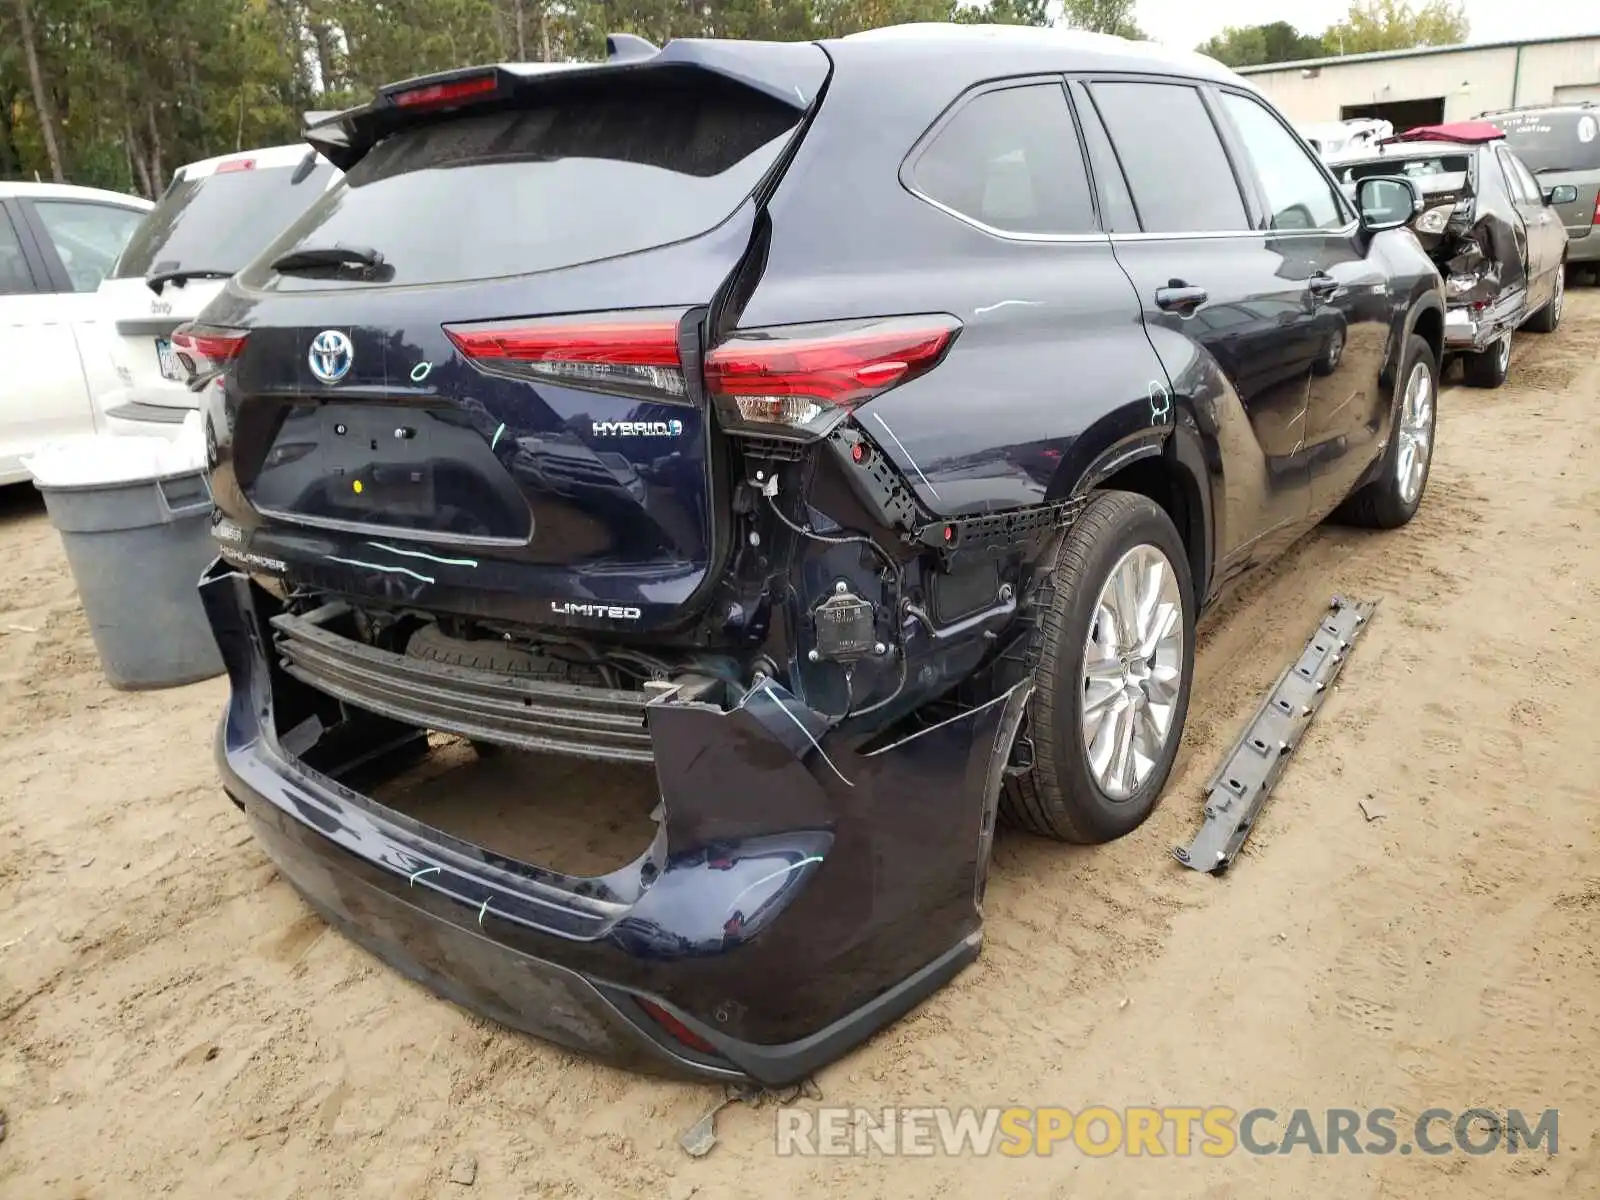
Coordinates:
1432	174
219	222
580	177
1555	139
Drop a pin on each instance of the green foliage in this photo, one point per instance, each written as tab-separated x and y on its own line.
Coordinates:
1102	16
1369	25
1398	25
1252	45
132	89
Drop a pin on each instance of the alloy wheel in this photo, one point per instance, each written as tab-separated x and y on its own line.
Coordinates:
1132	671
1416	432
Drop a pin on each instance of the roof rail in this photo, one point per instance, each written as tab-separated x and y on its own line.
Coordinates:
628	45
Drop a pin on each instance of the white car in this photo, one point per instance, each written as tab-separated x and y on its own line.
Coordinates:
215	217
57	242
1337	139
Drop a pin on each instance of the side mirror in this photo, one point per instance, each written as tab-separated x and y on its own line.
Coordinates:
1387	202
1562	193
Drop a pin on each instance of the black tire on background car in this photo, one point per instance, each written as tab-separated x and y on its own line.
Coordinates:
1111	691
1549	317
1391	499
1489	368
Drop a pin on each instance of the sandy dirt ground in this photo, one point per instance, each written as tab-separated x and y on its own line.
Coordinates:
174	1021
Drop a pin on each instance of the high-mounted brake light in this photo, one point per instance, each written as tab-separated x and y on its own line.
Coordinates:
205	350
630	352
801	380
236	164
437	95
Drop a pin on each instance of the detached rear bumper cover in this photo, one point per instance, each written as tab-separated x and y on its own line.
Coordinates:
801	893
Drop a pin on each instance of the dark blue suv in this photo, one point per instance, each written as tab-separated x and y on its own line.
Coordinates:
848	432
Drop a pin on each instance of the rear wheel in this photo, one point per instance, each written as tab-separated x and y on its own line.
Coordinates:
1391	500
1112	687
1548	317
1488	369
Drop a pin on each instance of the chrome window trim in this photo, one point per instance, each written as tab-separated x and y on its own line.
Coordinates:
1005	234
1347	230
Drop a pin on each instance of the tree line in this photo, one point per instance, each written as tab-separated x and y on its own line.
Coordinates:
118	93
1369	26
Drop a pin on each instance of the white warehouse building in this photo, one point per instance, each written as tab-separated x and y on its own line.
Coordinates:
1435	83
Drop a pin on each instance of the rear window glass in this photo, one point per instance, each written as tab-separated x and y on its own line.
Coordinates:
1439	173
1010	159
1554	140
220	222
586	175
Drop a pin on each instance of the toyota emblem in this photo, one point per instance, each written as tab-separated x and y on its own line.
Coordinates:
331	356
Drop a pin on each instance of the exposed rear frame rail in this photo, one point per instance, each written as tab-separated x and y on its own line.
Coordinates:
1238	790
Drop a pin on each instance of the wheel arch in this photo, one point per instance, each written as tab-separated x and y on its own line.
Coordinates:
1165	464
1426	320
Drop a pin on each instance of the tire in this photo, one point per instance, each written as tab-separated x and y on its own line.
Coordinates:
488	654
1548	318
1332	354
433	644
1061	796
1392	499
1489	368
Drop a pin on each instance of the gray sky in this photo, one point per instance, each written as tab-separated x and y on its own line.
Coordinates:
1188	22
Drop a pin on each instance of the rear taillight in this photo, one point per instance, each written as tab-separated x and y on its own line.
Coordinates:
440	95
236	164
799	381
1595	220
205	350
633	353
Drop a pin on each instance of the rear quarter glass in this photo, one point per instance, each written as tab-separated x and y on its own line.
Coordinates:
578	178
219	222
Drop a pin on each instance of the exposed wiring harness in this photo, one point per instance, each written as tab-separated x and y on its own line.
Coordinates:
896	574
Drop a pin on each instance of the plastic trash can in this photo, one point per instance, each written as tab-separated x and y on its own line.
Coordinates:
137	535
137	551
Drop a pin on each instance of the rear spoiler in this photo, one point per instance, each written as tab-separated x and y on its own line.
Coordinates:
792	73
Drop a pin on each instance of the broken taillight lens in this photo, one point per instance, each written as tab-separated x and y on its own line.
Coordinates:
634	353
799	381
206	350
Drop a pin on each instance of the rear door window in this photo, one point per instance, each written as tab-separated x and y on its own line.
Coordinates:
1518	183
1172	156
219	222
1530	185
1009	159
87	237
1554	139
584	175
